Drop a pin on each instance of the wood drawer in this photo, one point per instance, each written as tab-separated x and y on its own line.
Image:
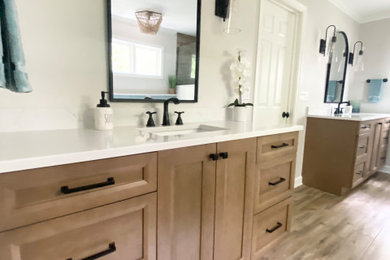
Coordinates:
272	146
359	173
365	128
130	225
27	197
274	182
384	137
386	124
363	145
270	226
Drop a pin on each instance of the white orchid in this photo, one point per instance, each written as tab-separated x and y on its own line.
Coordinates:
240	70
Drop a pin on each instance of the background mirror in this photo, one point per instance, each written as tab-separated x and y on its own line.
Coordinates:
337	70
150	63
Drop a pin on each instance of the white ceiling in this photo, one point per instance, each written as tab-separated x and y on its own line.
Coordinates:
178	15
364	11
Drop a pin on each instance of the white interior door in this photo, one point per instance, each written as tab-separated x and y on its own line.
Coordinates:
275	62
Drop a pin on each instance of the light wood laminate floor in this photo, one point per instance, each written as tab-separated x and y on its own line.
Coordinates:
325	226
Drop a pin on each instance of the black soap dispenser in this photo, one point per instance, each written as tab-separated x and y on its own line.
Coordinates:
103	114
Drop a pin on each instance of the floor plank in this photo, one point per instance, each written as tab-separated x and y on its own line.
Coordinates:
351	227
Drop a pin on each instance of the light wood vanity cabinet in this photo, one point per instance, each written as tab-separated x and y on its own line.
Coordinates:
341	154
204	201
223	201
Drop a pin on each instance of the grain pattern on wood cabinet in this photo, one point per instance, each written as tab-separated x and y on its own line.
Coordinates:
330	154
186	203
129	224
270	226
234	200
31	196
377	129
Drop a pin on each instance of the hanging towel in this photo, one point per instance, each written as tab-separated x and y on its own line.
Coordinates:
375	90
332	91
16	78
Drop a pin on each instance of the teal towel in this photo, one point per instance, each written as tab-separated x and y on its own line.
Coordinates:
16	78
375	90
332	90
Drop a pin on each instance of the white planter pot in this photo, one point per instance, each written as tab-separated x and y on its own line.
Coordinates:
241	114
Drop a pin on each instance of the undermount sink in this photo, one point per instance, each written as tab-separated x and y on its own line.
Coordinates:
183	130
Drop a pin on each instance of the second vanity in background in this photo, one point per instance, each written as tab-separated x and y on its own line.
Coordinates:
343	151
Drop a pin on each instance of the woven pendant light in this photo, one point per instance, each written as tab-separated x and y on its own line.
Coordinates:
149	21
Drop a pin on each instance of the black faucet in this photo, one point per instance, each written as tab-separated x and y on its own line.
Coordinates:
166	114
339	110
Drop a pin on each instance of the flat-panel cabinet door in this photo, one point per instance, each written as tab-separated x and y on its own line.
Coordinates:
234	203
186	190
123	230
376	146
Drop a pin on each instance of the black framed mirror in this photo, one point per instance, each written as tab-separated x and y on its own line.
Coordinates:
153	50
337	69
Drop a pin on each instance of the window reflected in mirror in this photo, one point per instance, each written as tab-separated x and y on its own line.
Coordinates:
154	49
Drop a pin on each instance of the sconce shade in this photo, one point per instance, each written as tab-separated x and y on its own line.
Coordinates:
331	43
148	21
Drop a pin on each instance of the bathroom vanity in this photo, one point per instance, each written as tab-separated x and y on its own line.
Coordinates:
131	194
341	152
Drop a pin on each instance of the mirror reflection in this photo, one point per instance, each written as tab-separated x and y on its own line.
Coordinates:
336	71
153	50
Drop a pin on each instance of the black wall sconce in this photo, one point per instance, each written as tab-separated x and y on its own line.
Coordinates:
323	41
352	54
222	8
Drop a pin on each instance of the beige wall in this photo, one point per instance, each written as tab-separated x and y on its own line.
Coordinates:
64	44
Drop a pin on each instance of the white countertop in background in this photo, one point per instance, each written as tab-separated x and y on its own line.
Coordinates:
28	150
353	117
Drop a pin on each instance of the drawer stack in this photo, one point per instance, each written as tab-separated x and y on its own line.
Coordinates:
363	153
81	210
274	185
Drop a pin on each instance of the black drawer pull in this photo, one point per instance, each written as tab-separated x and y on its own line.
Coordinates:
224	155
380	123
387	122
359	172
214	156
272	230
111	249
383	158
67	190
277	182
364	127
279	146
363	146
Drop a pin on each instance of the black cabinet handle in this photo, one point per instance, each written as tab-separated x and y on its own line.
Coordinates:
214	156
277	182
359	172
67	190
383	158
285	114
224	155
363	146
111	249
272	230
279	146
380	123
364	127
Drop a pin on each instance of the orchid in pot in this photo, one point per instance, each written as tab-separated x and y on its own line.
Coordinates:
240	70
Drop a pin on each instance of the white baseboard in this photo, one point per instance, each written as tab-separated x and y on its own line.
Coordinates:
385	169
298	181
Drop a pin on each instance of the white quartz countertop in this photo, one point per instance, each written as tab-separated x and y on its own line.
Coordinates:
353	117
29	150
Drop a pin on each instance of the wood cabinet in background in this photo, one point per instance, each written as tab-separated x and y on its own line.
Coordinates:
341	154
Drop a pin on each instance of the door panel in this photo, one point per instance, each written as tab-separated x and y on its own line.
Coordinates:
234	203
186	192
275	59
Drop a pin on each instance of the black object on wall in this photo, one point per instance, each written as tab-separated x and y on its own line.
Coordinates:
221	8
